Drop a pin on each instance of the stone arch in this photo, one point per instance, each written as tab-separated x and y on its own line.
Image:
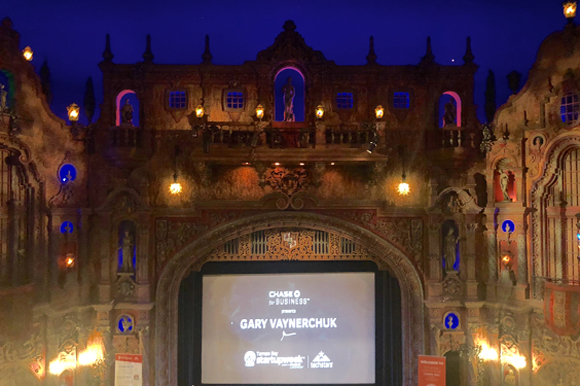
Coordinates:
299	83
443	99
134	100
384	254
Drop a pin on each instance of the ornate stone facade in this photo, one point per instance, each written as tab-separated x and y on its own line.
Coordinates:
94	246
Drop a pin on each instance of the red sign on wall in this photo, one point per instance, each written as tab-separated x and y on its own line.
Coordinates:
431	371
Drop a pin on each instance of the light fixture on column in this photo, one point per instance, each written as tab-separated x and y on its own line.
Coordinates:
319	112
259	112
175	188
379	112
199	111
73	113
569	9
27	53
403	187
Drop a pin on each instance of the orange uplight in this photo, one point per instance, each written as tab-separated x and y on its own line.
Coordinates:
69	261
276	163
27	52
61	363
95	351
302	163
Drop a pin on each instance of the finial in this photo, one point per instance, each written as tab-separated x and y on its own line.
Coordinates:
207	56
148	55
289	26
7	23
108	55
371	57
429	57
468	57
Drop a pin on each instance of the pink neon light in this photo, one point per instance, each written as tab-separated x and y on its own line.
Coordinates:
118	105
455	96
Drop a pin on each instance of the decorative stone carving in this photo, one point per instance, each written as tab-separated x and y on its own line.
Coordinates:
175	235
125	286
286	180
452	286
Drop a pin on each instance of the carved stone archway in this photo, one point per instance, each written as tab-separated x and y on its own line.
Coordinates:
381	251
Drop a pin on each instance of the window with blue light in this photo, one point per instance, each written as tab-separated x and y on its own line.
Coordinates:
344	100
235	100
569	108
178	99
67	173
401	100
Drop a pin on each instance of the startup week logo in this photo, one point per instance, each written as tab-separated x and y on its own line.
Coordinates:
252	358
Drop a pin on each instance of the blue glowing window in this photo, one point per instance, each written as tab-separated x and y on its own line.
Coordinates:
67	173
569	108
67	227
344	100
177	99
235	100
401	100
125	324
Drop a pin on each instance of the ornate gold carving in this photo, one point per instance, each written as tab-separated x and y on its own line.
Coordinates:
172	235
286	180
452	286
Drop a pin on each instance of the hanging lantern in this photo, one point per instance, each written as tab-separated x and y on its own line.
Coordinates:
27	52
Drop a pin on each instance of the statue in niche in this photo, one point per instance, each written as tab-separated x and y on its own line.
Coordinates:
126	249
449	249
127	113
288	91
504	179
449	114
510	378
3	96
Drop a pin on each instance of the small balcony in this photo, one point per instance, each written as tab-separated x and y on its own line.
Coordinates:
127	147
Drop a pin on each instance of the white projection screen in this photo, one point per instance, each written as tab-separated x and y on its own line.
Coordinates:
295	328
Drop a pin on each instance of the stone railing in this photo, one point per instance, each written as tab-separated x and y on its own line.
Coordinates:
456	137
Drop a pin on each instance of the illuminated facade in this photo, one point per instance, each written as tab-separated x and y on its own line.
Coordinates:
291	157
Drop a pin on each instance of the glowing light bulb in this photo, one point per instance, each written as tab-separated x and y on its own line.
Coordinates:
27	52
259	112
199	111
319	112
379	111
570	9
73	112
175	188
404	188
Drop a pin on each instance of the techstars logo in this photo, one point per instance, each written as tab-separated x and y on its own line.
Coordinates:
321	362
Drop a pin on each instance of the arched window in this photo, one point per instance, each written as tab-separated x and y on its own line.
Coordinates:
562	203
449	109
16	222
569	108
122	98
289	93
7	88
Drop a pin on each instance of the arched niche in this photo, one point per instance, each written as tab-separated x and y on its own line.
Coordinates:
504	181
7	80
298	82
122	98
449	244
383	253
126	245
450	103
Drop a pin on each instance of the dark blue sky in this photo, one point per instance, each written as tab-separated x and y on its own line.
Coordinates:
71	34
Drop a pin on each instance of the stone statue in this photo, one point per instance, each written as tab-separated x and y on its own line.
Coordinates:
127	113
289	92
503	184
449	250
3	96
127	253
450	114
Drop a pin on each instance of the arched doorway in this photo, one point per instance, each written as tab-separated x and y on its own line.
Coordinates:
385	256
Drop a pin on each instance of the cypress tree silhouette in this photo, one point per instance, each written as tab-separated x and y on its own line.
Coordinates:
89	100
45	82
490	104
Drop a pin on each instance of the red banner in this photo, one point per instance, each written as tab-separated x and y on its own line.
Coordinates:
431	371
562	308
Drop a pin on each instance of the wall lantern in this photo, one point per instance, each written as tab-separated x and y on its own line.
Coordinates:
69	261
506	259
73	112
569	8
319	112
199	111
379	112
27	52
259	112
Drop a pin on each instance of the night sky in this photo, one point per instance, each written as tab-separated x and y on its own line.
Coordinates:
505	34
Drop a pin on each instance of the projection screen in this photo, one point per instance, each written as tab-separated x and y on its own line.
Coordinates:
307	328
